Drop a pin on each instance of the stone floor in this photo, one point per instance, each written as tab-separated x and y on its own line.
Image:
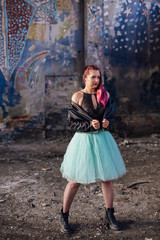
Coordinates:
31	190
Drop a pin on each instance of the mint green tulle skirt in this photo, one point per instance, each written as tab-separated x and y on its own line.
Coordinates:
92	157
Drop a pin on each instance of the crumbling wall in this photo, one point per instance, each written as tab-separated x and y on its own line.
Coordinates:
123	39
39	38
44	45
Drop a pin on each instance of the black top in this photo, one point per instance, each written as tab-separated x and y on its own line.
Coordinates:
88	106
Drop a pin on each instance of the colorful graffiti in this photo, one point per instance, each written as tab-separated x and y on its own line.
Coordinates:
43	37
2	54
123	39
65	27
50	8
28	19
135	29
37	37
126	29
64	5
9	97
26	76
19	15
95	36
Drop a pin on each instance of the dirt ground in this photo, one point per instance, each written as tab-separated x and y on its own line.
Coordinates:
31	189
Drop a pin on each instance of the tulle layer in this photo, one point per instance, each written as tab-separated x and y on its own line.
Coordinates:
92	157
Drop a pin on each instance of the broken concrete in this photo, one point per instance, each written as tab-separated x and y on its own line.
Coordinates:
31	193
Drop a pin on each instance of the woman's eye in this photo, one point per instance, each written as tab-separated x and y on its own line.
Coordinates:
94	77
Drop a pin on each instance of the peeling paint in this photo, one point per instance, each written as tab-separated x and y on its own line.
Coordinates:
45	40
64	29
122	37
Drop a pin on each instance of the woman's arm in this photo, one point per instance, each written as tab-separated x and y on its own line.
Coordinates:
78	124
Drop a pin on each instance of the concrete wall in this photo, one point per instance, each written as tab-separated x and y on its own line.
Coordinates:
123	38
41	47
44	46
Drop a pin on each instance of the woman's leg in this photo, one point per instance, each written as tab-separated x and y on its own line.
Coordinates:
69	193
108	193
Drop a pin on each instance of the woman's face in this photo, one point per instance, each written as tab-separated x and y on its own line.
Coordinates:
92	79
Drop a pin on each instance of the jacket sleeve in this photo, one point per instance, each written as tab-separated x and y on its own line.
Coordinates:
79	124
110	112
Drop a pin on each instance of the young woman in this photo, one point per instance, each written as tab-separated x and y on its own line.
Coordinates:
92	154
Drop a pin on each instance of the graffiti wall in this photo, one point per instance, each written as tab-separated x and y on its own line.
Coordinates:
38	38
124	40
44	45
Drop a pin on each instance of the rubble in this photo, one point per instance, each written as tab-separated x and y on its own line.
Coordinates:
31	193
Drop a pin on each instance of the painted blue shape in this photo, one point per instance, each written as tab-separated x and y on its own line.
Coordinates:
7	95
117	24
3	102
50	8
65	41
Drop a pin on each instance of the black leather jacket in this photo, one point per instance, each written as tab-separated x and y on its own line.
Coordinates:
79	120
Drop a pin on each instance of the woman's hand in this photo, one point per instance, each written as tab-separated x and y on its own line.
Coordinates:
95	124
105	123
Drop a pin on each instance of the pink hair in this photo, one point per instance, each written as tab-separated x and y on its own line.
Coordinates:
102	96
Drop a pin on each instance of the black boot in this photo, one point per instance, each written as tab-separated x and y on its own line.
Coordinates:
65	227
111	220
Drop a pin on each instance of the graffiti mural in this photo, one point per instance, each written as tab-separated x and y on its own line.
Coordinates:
24	78
123	39
2	53
128	30
40	38
9	97
136	30
96	32
18	15
37	38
